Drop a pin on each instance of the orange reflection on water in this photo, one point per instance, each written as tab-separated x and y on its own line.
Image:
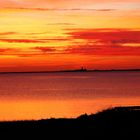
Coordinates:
37	109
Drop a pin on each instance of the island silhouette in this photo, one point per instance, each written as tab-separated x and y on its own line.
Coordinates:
82	69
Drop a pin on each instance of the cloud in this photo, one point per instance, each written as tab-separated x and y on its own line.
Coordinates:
55	39
105	10
41	40
45	49
92	42
7	33
60	9
105	42
28	54
27	8
103	50
8	51
21	40
107	35
31	52
4	50
61	24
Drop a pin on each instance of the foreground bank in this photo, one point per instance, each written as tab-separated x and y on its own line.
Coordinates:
119	122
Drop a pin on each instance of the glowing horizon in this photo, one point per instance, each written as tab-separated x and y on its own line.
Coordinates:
36	35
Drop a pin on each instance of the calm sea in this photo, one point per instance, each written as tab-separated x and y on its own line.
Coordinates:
45	95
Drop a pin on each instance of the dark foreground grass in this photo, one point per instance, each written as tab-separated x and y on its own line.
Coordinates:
116	123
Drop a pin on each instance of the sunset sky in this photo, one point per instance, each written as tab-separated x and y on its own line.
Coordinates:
38	35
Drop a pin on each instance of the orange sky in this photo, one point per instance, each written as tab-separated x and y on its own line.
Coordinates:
40	35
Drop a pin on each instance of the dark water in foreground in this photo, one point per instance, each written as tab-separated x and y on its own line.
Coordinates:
43	95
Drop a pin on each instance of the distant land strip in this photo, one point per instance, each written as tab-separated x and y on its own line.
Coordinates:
75	70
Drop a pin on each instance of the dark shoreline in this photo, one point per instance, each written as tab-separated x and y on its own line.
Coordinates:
70	71
118	122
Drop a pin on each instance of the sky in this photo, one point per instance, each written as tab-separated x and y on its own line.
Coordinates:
44	35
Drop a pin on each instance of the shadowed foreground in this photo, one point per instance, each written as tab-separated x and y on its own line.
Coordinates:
115	123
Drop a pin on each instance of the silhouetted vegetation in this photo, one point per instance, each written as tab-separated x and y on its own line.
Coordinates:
116	123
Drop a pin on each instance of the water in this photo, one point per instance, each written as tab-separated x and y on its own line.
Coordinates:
45	95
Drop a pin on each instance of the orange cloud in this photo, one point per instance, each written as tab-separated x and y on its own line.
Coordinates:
45	49
110	36
7	51
105	42
4	50
7	33
41	40
60	9
103	50
21	40
93	42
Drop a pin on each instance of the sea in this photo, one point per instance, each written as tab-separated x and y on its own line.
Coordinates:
33	96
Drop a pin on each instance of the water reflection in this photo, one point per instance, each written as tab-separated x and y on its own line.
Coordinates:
35	96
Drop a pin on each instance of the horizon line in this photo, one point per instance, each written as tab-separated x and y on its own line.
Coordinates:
70	70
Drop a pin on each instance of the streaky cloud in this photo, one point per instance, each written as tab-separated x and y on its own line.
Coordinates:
69	24
21	40
41	40
7	33
7	51
105	42
103	50
60	9
106	35
45	49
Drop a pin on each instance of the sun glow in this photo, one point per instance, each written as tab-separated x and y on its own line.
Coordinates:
46	31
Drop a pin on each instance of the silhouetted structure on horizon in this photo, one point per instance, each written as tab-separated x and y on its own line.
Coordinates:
82	69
